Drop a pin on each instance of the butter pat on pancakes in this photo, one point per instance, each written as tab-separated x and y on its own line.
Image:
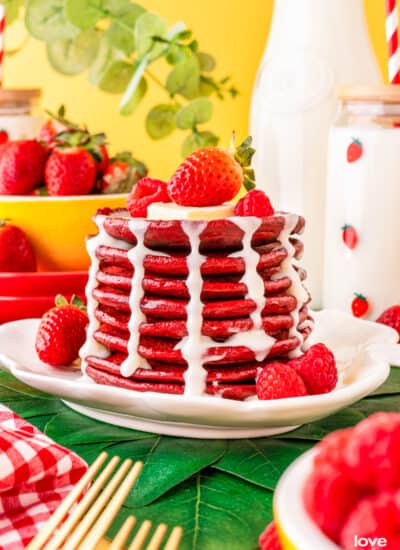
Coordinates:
172	211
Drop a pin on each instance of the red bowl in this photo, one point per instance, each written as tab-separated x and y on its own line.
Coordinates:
13	308
43	284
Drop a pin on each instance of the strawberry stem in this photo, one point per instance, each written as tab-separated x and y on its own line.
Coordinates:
243	155
360	297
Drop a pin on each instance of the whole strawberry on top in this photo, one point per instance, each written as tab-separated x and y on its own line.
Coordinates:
62	332
21	166
16	252
212	176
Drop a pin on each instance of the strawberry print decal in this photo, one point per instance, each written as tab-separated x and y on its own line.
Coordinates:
359	305
350	236
354	150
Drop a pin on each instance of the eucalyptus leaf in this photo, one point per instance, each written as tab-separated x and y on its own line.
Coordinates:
175	54
116	77
160	121
12	8
83	14
116	8
135	98
216	511
103	59
72	428
198	140
73	56
121	32
184	78
260	461
196	112
148	26
45	20
207	62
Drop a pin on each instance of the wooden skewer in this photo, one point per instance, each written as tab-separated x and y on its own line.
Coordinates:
59	514
174	539
123	534
141	536
105	519
97	507
82	507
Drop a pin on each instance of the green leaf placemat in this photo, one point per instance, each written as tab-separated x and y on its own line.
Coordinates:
219	491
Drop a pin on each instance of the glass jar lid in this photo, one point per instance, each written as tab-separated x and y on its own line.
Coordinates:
19	97
374	93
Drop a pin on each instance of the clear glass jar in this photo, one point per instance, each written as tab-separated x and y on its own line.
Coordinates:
19	113
362	238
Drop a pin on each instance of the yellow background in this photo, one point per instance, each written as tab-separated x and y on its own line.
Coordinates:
234	31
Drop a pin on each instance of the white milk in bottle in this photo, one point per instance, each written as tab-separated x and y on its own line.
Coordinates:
362	245
313	46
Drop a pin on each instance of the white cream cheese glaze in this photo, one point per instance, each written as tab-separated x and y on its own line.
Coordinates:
91	346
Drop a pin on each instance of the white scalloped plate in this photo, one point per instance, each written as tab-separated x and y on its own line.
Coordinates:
363	350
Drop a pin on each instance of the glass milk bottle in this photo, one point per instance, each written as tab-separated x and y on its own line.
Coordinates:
18	113
313	46
362	241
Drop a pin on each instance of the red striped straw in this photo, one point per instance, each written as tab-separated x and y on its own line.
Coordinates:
392	35
2	26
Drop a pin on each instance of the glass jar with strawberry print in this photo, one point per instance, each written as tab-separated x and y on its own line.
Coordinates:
19	116
362	252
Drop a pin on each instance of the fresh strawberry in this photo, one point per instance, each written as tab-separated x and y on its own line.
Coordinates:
317	368
102	158
62	332
359	305
16	252
144	193
269	539
50	129
70	172
278	381
122	173
374	518
372	454
391	318
21	167
212	176
254	203
3	136
350	236
354	150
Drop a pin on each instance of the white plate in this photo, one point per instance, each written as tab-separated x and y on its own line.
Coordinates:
364	351
300	533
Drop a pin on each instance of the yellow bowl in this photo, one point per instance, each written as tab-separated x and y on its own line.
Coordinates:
57	226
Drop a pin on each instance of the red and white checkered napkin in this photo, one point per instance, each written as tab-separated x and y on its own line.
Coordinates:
35	475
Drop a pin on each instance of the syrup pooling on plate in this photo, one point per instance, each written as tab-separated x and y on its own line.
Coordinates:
92	347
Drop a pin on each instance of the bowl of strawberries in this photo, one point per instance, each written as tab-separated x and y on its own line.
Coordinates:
51	187
343	494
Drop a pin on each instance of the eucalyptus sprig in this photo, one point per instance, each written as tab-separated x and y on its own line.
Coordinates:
117	42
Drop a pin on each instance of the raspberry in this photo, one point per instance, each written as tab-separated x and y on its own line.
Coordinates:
254	203
330	449
391	318
374	517
317	368
269	539
145	192
372	454
329	496
278	381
